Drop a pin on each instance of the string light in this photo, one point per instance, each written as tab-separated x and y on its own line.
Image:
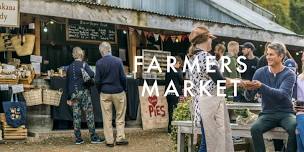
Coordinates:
45	29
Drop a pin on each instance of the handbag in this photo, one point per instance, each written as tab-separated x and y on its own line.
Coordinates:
88	81
15	112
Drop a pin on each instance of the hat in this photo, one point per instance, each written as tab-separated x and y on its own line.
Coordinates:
200	30
290	63
248	45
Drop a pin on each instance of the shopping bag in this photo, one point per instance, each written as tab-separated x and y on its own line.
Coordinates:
15	112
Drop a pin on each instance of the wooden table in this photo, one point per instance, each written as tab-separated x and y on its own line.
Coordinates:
240	105
185	127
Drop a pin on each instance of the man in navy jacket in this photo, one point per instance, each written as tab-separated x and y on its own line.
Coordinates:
111	84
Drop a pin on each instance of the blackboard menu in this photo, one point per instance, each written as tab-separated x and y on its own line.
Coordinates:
79	30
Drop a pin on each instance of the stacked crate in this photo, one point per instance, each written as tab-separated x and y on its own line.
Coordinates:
10	133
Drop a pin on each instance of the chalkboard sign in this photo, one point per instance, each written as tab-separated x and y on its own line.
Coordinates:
88	31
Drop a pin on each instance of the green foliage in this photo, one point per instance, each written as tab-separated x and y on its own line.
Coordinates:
242	112
289	13
181	112
297	16
280	8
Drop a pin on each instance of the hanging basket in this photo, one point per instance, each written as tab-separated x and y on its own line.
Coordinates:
52	97
33	97
28	44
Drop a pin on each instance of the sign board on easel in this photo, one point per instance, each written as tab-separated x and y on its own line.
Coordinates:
154	110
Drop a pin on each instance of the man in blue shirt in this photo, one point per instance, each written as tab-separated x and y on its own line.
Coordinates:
111	84
275	84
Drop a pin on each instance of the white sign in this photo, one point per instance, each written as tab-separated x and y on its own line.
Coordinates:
17	88
9	67
36	67
9	13
36	59
4	87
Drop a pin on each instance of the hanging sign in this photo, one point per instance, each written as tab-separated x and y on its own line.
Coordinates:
9	13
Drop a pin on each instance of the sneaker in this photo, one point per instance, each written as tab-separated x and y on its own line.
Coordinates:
109	145
97	140
79	141
122	142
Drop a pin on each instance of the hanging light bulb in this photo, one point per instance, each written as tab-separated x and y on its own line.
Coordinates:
124	32
45	29
176	40
51	22
297	53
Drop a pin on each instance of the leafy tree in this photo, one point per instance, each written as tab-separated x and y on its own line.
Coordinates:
297	16
281	8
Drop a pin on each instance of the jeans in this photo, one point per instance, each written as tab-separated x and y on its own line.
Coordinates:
265	122
300	132
203	146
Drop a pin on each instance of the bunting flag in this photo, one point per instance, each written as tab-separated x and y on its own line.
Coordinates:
185	38
168	38
173	38
163	37
179	38
156	36
131	29
146	34
139	32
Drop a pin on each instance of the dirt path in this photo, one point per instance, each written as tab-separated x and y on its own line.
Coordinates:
143	141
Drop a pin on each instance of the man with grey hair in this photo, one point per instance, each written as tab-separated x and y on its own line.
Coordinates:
111	84
275	84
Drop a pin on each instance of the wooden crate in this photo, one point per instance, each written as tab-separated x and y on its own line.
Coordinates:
27	80
10	133
9	81
14	133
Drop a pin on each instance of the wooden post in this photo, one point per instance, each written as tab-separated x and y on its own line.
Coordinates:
132	48
37	36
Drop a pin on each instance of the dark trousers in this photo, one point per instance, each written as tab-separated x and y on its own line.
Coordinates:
265	122
172	103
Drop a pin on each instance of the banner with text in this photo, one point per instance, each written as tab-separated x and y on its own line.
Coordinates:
9	13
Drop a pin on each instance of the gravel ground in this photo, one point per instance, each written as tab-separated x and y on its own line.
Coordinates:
142	141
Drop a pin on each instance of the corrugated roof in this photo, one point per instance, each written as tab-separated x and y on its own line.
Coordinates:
247	15
154	12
